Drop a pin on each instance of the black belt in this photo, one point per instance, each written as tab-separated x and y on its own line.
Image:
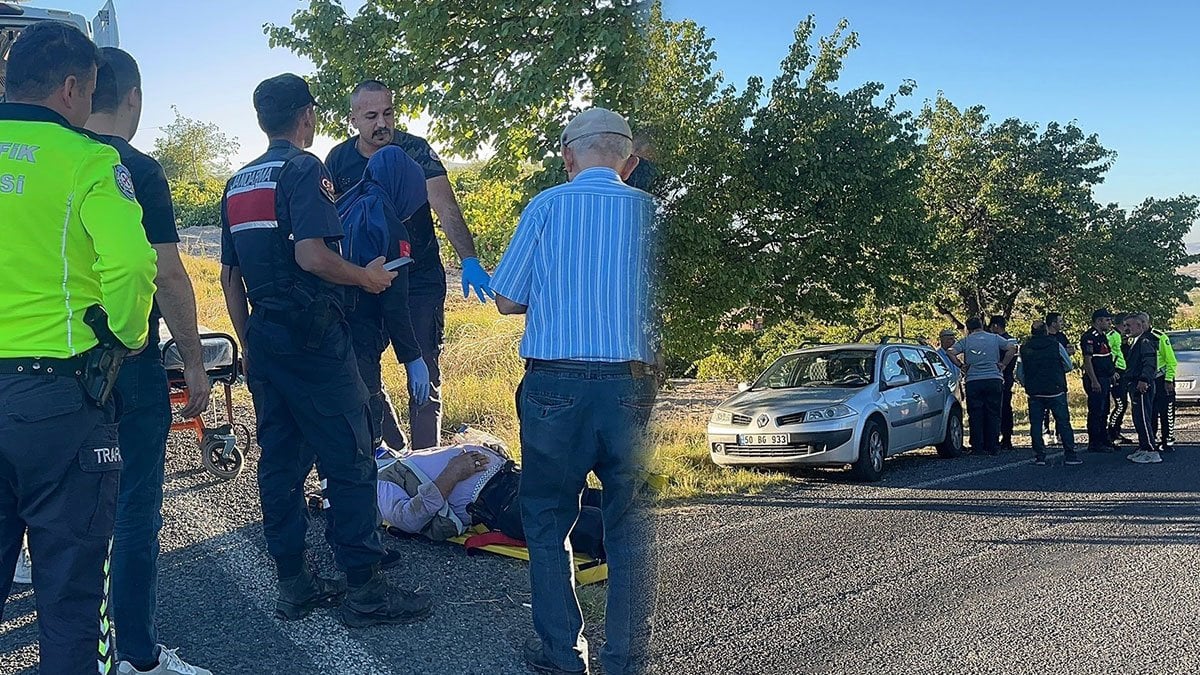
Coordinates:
72	367
633	368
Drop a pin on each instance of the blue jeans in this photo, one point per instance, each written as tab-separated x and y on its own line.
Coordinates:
145	423
1056	406
576	418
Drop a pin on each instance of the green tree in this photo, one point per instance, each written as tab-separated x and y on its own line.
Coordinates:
189	149
784	204
197	202
1008	202
491	205
1132	261
502	74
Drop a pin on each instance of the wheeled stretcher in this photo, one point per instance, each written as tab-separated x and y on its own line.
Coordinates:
222	445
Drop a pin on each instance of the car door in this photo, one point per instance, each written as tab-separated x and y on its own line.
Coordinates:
899	402
927	392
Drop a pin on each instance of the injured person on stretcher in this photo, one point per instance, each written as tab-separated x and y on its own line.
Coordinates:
443	492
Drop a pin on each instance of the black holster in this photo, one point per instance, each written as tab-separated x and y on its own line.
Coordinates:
102	363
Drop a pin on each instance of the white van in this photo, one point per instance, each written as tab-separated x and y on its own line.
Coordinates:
15	16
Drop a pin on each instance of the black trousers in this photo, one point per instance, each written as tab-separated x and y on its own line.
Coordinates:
1141	405
1006	414
1164	413
984	402
60	465
1098	408
498	508
311	407
1120	404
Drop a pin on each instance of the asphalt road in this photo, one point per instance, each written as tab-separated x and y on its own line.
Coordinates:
973	565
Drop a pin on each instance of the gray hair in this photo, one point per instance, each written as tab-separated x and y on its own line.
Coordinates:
1143	317
608	146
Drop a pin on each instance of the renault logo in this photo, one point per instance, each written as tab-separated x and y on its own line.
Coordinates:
763	420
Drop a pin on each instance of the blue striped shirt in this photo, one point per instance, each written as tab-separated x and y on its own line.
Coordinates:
580	261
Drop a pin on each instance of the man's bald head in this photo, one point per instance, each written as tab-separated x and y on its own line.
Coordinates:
372	114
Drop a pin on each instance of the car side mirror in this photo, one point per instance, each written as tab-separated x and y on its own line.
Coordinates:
898	380
743	386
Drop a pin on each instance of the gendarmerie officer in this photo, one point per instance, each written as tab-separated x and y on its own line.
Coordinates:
279	251
1098	370
73	243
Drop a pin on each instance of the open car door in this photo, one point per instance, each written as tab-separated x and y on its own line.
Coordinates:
104	27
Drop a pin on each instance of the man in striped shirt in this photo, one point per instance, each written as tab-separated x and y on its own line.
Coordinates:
579	268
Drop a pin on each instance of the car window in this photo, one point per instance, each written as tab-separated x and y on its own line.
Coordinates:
936	363
918	369
826	368
1185	342
893	365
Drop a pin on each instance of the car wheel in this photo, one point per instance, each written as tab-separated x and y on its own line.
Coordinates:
871	451
952	443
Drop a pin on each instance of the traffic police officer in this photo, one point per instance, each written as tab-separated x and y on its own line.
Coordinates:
73	240
1164	387
1120	396
279	251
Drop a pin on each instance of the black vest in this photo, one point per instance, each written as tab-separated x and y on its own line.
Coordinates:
1042	364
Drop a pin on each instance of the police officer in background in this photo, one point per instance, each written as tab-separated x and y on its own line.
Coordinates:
1164	387
1119	343
279	251
73	240
373	116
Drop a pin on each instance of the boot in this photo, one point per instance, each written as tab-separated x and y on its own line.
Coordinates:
377	602
300	595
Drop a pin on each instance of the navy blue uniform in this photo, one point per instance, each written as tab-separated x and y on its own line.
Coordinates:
145	424
1095	344
426	279
308	397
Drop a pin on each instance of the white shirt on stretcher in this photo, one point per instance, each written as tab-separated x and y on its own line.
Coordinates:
411	514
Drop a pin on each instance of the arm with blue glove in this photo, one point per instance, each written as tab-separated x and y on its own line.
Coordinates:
474	276
450	217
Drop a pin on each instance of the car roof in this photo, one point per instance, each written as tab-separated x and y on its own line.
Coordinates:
873	346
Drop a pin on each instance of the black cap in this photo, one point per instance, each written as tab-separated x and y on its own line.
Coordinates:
1101	313
282	93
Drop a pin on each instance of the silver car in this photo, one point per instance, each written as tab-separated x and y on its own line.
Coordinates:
841	405
1187	374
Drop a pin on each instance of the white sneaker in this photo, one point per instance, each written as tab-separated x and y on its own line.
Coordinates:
169	663
1135	457
24	571
1149	457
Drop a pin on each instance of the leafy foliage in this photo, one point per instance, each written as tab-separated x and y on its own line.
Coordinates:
491	205
197	202
189	149
501	74
781	204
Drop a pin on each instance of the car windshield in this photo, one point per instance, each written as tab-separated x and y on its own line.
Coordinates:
839	368
1186	342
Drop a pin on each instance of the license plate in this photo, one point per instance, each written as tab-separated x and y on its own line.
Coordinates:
763	439
1184	385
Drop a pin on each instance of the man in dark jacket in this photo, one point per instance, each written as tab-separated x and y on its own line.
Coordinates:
1043	372
1140	372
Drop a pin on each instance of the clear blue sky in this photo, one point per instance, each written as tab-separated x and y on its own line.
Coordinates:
1126	70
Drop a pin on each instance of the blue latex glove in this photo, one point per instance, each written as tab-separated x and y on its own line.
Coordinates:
475	276
418	381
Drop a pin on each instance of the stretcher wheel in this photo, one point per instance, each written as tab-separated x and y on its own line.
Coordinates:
220	454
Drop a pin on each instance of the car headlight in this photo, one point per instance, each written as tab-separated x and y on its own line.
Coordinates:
722	417
833	412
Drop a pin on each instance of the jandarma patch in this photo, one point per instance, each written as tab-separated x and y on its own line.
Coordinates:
124	182
327	188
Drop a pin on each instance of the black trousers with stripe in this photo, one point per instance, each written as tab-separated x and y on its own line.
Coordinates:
1164	413
1141	405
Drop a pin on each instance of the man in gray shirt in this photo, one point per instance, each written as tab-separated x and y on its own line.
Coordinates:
984	357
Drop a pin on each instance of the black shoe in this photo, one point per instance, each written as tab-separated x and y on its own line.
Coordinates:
377	602
1101	448
1118	439
1040	460
538	662
300	595
1167	447
1072	460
